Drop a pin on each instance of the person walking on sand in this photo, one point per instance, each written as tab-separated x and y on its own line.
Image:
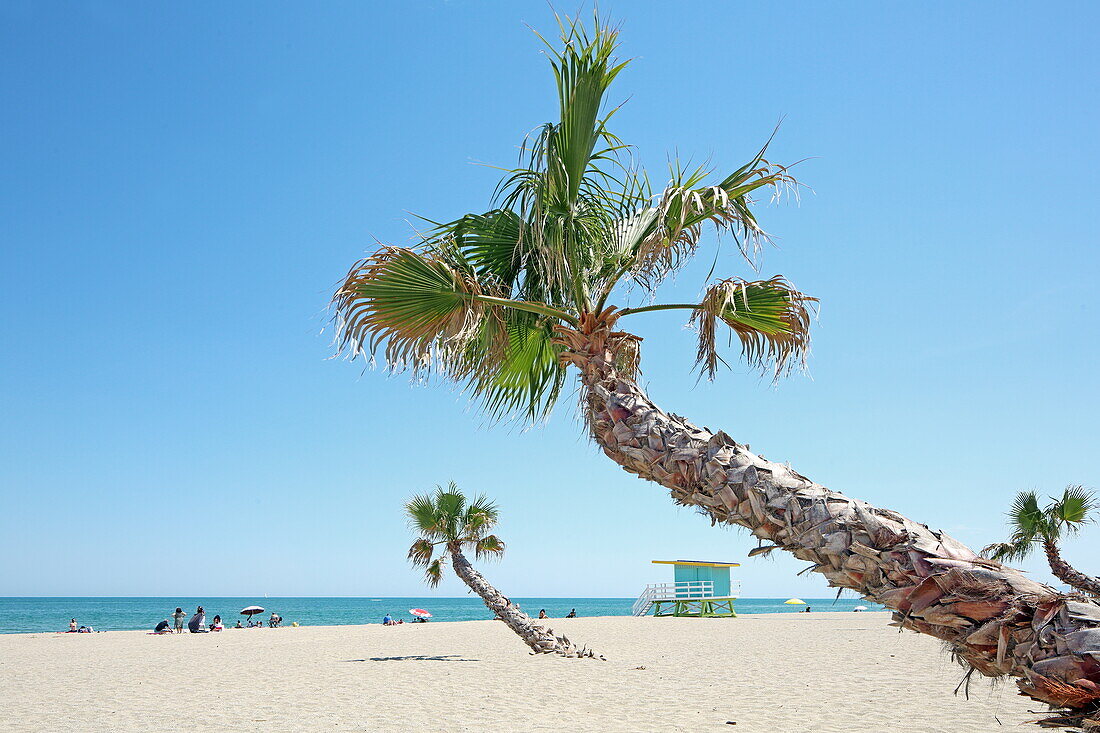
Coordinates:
179	616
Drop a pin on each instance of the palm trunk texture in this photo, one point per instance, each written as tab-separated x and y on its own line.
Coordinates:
1068	574
994	619
539	638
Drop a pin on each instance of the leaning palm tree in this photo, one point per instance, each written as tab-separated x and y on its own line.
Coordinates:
1034	525
447	523
509	301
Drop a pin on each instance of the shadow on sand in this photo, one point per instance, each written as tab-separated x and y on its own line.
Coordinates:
417	658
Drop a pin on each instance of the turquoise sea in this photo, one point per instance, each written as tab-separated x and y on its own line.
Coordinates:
22	615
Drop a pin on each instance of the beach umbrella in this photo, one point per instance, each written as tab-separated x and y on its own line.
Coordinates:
419	613
251	611
794	602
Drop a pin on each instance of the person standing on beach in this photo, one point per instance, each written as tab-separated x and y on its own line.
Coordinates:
72	625
178	617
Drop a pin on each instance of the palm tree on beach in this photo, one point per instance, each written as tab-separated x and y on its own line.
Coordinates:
448	522
512	301
1033	525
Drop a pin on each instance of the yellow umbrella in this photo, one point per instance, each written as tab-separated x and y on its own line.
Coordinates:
795	602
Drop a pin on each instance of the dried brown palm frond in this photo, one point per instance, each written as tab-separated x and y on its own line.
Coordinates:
420	554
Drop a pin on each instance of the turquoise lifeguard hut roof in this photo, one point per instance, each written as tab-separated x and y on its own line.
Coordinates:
698	563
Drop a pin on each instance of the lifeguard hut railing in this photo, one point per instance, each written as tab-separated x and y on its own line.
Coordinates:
669	591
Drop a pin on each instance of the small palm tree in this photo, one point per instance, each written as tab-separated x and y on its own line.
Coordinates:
1034	525
447	523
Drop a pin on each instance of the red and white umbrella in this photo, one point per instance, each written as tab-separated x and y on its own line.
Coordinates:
419	613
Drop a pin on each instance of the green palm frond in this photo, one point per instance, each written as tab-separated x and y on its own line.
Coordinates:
572	182
489	546
584	69
1026	516
769	317
490	244
1014	551
437	309
417	305
424	517
481	515
517	373
1073	508
450	504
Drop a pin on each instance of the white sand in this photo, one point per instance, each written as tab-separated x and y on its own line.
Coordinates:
819	672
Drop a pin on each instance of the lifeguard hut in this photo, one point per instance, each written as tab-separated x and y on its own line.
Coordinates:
699	588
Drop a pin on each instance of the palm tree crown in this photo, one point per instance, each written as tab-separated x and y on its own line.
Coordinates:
1032	524
572	227
447	521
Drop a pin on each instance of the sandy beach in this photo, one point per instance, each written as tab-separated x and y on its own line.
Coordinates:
766	673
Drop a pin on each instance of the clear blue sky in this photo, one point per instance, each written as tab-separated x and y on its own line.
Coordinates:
181	187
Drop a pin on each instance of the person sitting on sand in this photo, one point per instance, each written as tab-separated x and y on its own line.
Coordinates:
807	610
163	628
197	624
388	620
72	625
571	614
238	626
542	614
217	625
180	616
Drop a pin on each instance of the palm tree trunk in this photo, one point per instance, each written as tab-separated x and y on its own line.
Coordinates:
539	638
1067	573
995	619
